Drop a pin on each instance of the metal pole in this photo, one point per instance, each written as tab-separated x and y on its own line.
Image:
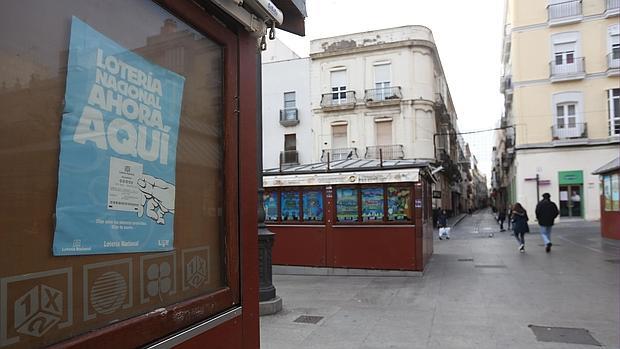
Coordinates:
537	188
266	291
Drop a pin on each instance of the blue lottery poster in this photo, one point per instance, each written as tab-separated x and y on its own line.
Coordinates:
118	140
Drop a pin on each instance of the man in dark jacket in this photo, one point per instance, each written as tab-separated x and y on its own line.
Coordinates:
546	211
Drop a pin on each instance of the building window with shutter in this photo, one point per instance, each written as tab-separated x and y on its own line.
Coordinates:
613	98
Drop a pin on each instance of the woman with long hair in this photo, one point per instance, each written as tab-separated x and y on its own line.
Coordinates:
519	225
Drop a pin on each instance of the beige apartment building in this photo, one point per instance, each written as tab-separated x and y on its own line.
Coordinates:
383	95
561	84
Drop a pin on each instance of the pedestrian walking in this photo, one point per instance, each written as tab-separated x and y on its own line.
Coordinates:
442	223
546	211
501	218
519	225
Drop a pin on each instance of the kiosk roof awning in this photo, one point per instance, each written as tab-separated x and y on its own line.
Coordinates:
354	171
608	167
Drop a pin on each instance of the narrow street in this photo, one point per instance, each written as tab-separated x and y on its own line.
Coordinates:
477	292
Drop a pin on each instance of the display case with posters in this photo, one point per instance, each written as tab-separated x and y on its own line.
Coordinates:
119	228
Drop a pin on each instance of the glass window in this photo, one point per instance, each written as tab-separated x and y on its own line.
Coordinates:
615	192
290	205
372	204
346	205
289	100
607	193
313	206
270	203
85	293
399	203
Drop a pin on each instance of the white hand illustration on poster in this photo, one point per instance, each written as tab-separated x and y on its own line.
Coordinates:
158	196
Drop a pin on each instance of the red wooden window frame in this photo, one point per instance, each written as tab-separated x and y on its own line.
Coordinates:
149	327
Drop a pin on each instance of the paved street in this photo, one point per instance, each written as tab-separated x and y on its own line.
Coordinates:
477	292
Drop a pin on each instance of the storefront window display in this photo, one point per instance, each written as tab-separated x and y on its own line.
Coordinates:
313	206
611	192
372	204
399	203
289	204
346	205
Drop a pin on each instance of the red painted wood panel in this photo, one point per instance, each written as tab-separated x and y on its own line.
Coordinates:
368	247
298	245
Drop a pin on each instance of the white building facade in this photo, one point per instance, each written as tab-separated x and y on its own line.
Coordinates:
287	118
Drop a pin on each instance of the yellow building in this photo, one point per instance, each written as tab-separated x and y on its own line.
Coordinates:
561	84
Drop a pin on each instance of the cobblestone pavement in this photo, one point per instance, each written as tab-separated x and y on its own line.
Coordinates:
477	292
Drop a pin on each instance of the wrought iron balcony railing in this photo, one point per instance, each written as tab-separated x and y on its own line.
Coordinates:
339	154
383	94
613	59
506	84
574	69
289	157
344	98
564	10
570	130
289	117
386	152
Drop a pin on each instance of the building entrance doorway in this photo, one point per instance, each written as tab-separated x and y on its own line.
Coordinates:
570	200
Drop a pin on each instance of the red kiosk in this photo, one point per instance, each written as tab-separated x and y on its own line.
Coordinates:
202	292
610	199
351	214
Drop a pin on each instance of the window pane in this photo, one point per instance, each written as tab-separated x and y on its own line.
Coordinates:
290	206
560	110
372	204
346	205
570	57
399	201
338	78
289	100
571	109
607	192
615	192
313	205
558	59
93	291
270	203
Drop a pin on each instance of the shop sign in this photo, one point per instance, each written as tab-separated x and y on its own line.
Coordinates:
118	140
570	177
385	176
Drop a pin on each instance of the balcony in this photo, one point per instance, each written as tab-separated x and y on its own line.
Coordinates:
385	152
441	110
289	117
506	85
575	70
613	63
289	157
377	97
338	101
564	13
339	154
569	131
612	8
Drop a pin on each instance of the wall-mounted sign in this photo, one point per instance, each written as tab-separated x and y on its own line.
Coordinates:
436	194
118	139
